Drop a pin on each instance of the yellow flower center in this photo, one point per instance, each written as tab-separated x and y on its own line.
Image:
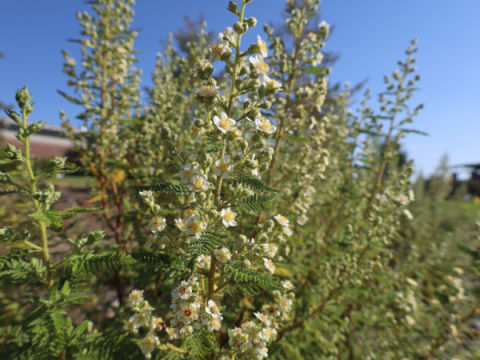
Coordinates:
223	167
148	341
263	45
196	130
224	255
198	183
266	125
263	67
196	227
141	317
282	219
191	212
158	222
229	216
188	173
217	49
224	124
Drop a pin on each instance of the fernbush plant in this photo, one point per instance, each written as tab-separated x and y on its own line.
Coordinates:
249	211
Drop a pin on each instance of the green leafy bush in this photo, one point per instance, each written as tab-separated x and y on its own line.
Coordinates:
247	211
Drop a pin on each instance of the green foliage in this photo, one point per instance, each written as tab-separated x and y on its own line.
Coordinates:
207	243
109	261
202	345
179	189
53	219
255	203
171	266
248	281
252	183
215	146
8	192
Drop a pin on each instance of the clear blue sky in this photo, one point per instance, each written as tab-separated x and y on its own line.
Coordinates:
370	37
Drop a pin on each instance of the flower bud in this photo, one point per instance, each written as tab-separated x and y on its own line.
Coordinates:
247	264
251	22
263	167
233	7
266	105
291	295
170	145
184	155
12	153
5	178
260	145
226	55
156	208
213	213
244	145
199	123
263	238
190	329
276	293
238	84
166	132
246	104
243	71
240	28
253	113
13	115
173	169
246	192
243	239
207	159
269	224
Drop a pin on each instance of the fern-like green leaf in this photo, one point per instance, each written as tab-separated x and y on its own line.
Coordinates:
90	262
54	218
255	203
203	246
54	172
171	266
8	192
252	183
202	345
179	189
215	146
248	281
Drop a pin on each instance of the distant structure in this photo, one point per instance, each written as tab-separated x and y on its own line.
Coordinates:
473	184
47	143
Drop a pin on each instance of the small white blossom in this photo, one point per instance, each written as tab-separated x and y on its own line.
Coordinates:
302	220
213	310
223	167
157	224
224	123
285	304
195	226
287	284
263	318
272	84
262	45
264	125
207	90
187	173
403	199
147	194
223	255
283	221
411	195
219	48
183	291
412	282
269	249
228	217
135	297
408	214
204	261
196	131
381	198
287	231
199	67
259	65
214	324
180	224
269	265
148	344
142	318
199	183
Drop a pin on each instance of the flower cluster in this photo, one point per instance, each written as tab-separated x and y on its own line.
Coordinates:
190	313
144	319
252	337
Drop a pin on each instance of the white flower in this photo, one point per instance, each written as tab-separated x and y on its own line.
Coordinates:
135	297
410	320
228	217
265	126
157	224
187	314
187	173
287	284
408	214
213	309
195	226
318	59
223	167
132	327
287	231
171	334
283	221
412	282
411	195
269	249
180	224
199	183
147	194
269	265
199	67
183	291
190	198
263	352
224	123
403	199
228	31
285	304
179	325
223	255
248	327
204	261
263	318
381	198
272	84
259	65
214	324
219	48
207	90
262	45
142	318
149	343
302	220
